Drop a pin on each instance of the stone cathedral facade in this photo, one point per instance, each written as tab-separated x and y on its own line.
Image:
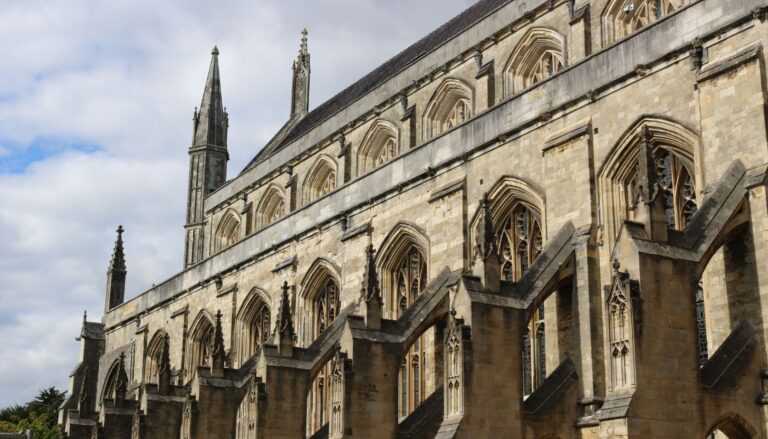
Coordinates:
545	219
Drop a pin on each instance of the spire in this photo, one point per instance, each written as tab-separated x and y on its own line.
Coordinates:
217	353
371	291
117	263
285	331
208	158
164	371
211	121
301	70
485	259
116	274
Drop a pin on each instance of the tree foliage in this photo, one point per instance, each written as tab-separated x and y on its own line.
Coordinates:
39	415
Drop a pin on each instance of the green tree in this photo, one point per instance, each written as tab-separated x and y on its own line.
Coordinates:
39	415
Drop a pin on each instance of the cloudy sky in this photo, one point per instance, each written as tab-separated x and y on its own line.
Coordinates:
96	101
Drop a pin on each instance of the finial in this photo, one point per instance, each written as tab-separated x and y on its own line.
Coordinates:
485	201
304	41
85	316
215	51
616	265
370	277
120	231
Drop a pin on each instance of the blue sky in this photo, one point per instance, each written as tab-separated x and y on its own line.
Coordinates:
96	101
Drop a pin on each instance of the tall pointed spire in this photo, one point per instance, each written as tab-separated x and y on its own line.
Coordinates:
208	156
211	121
301	71
116	274
285	330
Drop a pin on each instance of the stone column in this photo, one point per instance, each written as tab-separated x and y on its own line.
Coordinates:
587	328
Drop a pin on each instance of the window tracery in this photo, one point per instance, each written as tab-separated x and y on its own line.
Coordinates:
676	185
409	277
450	106
534	353
326	305
271	208
519	241
624	17
227	233
253	326
152	358
539	55
200	345
320	181
672	146
378	147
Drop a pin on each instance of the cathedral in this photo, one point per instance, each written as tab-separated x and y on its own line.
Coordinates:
545	219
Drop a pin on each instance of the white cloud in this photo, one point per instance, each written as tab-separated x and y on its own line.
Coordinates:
123	78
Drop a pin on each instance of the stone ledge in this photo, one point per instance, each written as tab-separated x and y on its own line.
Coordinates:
730	63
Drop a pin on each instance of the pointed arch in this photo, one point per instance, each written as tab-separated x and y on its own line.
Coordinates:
451	105
623	17
539	55
320	301
403	240
152	357
199	343
403	266
675	147
253	324
518	215
319	298
733	426
320	180
227	232
271	207
109	387
380	145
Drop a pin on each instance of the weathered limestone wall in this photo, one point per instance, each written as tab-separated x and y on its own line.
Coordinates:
555	137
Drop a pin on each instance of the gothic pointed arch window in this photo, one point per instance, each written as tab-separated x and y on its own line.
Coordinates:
450	106
673	147
152	357
404	271
516	209
271	207
109	388
321	179
321	303
228	231
379	146
624	17
253	325
539	55
199	344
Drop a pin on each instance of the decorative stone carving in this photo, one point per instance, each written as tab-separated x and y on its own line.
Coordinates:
622	303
